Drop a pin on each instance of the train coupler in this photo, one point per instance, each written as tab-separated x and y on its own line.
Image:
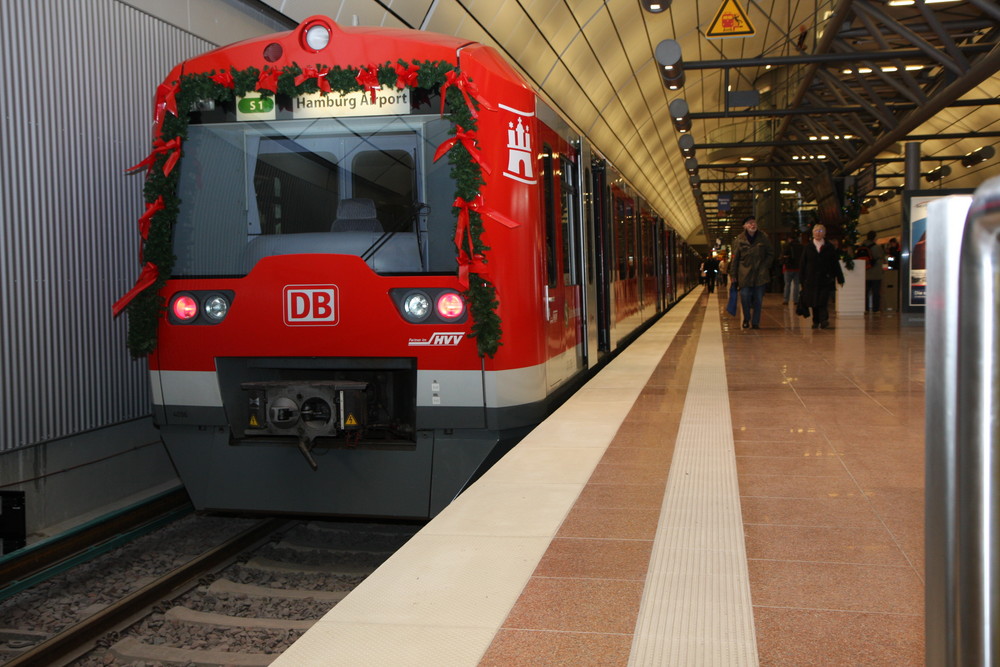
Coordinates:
304	447
305	410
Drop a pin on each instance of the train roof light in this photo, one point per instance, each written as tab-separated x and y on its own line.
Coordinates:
450	305
317	36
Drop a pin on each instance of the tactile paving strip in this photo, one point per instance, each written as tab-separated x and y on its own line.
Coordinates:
696	607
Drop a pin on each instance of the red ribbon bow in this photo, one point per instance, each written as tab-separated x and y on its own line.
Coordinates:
224	79
468	140
146	278
474	262
468	261
268	80
160	146
406	76
462	82
367	78
147	217
314	73
166	100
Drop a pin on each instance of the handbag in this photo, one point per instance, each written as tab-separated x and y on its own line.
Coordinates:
731	306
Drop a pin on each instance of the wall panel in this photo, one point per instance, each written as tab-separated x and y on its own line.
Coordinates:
78	82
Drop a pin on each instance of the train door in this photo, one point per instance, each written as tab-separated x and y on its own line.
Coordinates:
588	255
601	218
563	271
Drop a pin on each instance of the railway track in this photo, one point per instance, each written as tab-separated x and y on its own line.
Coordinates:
240	601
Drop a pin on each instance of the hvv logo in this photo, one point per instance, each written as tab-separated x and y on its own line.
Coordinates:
311	305
438	339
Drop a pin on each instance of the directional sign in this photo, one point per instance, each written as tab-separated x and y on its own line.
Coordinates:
730	21
725	202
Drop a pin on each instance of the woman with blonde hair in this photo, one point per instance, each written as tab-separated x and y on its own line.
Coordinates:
819	270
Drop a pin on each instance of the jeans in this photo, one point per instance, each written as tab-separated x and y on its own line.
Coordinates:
752	298
791	286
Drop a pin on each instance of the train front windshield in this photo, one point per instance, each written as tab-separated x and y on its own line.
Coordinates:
359	186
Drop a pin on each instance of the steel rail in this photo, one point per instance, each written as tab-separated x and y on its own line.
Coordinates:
79	636
33	564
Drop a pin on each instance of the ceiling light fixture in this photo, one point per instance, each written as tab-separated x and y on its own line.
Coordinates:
681	114
907	3
939	172
686	142
979	155
668	54
886	69
655	6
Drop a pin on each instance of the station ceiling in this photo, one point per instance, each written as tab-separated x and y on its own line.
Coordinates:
787	100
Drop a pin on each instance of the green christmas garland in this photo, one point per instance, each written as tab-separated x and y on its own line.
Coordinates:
851	211
160	189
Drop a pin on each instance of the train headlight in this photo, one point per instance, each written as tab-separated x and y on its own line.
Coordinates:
450	305
317	36
184	307
416	306
216	307
199	306
430	305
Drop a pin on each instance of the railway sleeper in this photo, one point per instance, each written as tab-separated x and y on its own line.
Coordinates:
187	615
227	587
348	569
131	650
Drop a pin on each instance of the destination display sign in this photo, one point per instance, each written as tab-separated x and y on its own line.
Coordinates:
390	102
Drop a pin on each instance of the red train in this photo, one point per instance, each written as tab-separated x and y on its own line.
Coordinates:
373	259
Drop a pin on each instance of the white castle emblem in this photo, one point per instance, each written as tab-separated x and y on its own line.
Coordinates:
519	156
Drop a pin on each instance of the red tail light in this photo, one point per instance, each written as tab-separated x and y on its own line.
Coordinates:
450	306
184	307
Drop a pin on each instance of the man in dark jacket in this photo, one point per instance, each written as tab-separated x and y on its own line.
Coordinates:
710	266
820	268
750	269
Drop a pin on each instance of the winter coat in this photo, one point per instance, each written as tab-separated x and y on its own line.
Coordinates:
751	265
877	255
818	273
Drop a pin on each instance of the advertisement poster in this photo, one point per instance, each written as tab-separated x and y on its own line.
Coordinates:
914	266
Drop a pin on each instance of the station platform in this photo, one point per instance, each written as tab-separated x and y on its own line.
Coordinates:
714	496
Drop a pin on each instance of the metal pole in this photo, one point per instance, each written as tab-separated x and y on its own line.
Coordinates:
978	433
945	219
911	166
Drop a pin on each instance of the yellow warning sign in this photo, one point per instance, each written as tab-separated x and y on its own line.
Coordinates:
351	421
253	422
731	21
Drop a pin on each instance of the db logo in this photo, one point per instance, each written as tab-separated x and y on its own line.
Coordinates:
311	305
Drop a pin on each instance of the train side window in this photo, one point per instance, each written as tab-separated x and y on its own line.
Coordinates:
550	217
631	224
622	246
